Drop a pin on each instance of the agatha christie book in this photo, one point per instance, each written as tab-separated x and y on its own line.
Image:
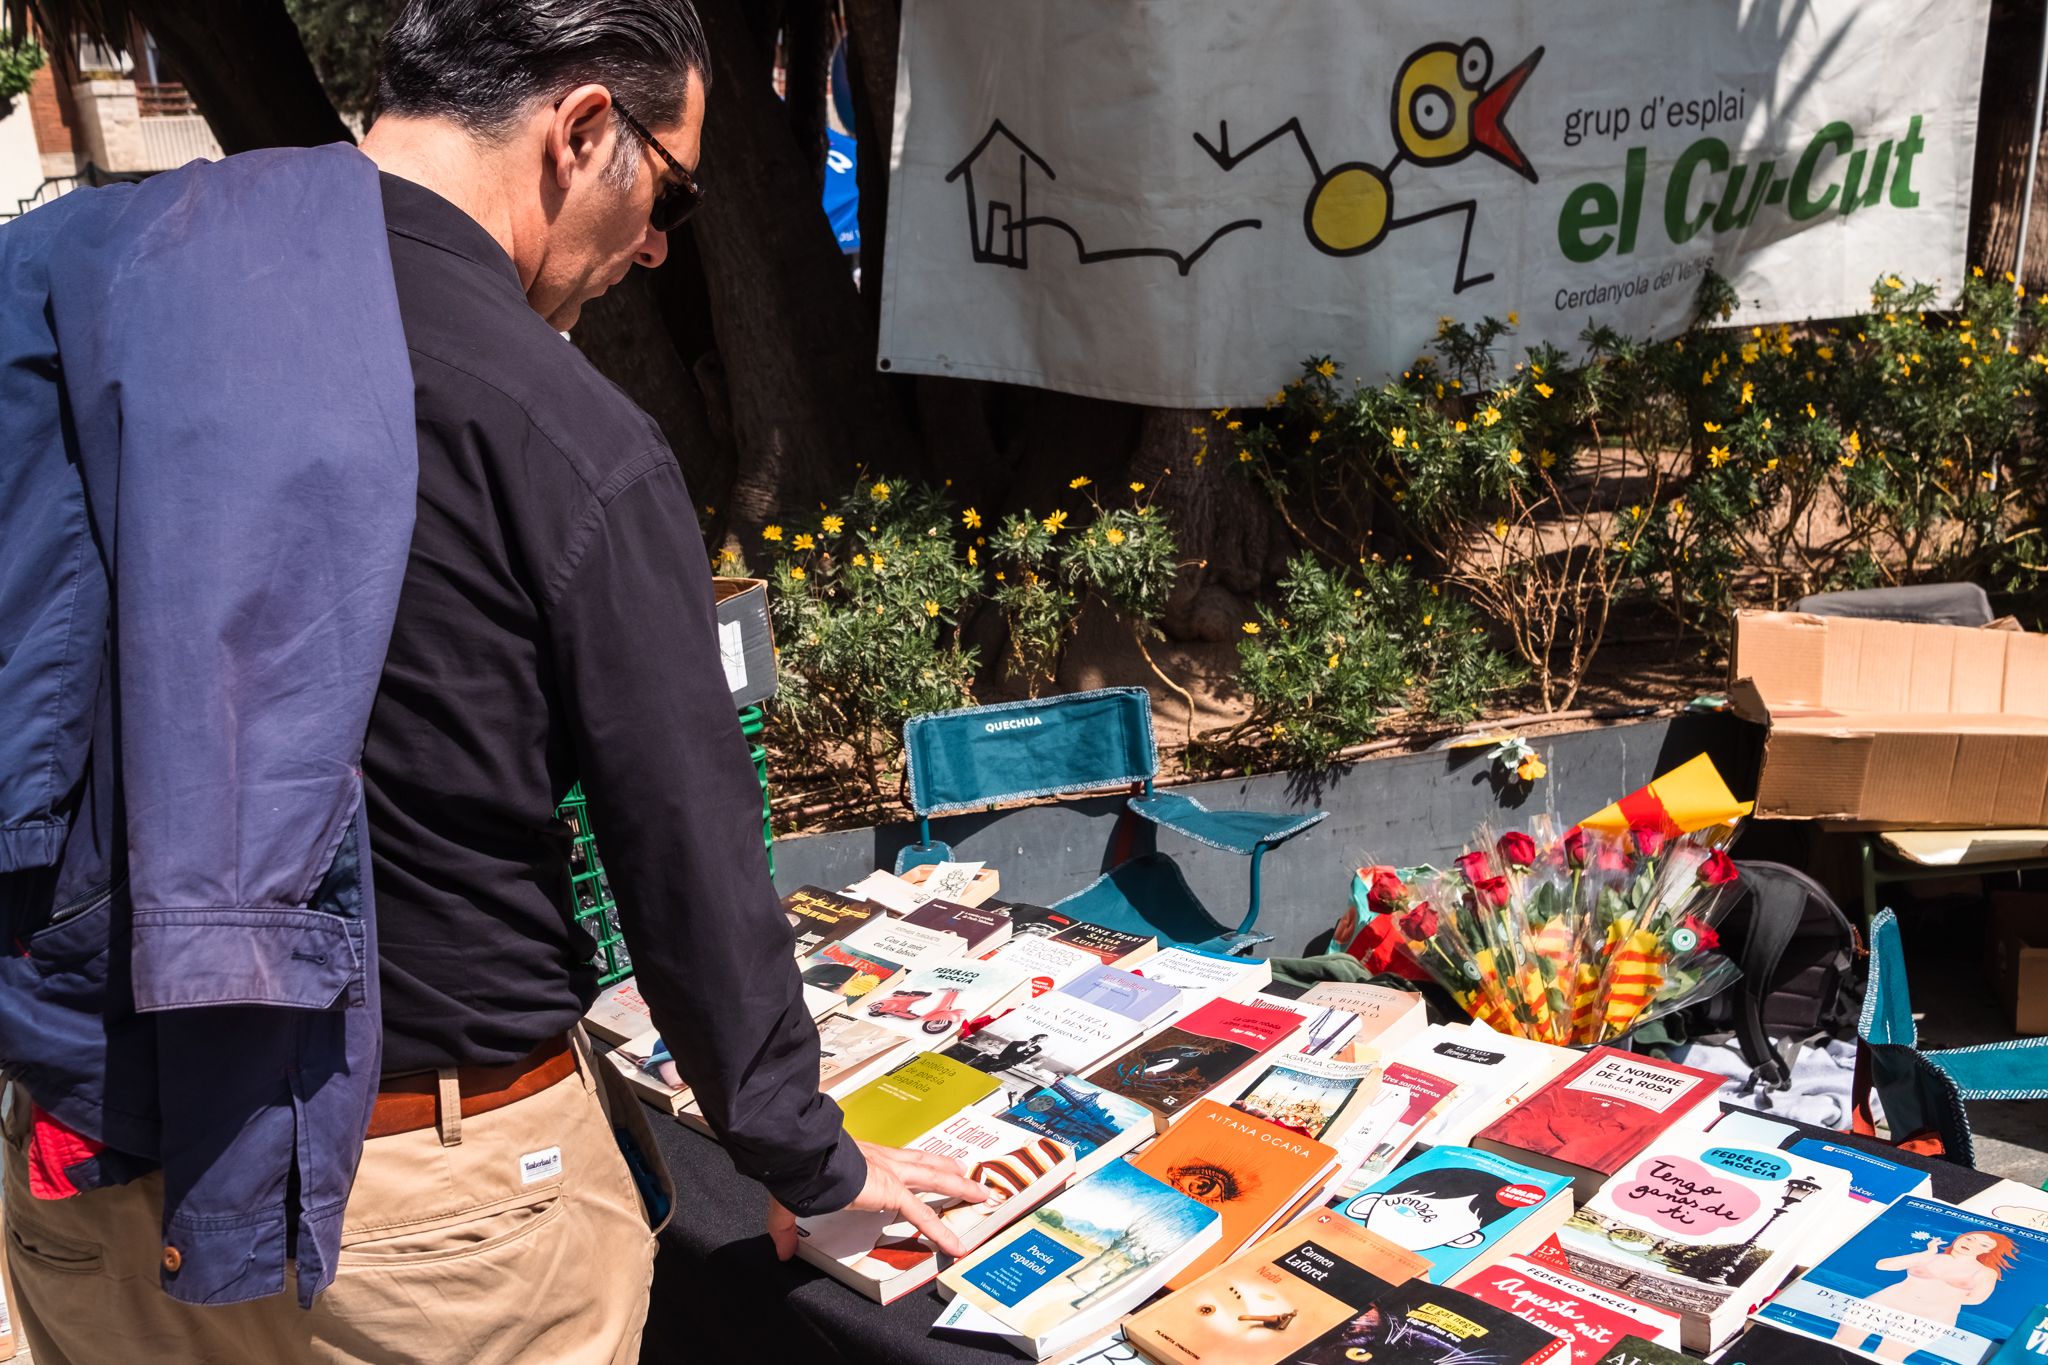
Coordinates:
1069	1269
1177	1066
1277	1296
1923	1282
1462	1208
1704	1229
1418	1323
1591	1319
1249	1171
1312	1096
817	917
1599	1113
1099	1127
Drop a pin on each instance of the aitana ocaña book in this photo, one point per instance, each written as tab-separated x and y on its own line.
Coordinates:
1923	1282
1072	1267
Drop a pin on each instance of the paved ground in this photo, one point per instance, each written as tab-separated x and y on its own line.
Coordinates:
1945	948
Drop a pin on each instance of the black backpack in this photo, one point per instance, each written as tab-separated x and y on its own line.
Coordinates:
1801	961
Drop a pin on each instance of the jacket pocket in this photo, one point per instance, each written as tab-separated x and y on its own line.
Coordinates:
184	958
75	934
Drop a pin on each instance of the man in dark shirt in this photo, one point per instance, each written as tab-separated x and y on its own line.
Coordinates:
555	624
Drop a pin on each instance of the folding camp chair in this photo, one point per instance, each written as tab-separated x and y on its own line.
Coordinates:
1923	1093
983	756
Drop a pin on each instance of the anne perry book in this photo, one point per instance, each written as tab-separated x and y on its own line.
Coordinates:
1249	1171
817	917
1598	1114
1179	1065
1111	947
1068	1270
1277	1296
1703	1228
897	1108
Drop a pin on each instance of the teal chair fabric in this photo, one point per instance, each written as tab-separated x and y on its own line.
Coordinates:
2017	1070
983	756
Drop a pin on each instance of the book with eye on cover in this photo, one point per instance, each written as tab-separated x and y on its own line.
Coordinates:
1179	1065
1068	1270
1275	1297
1247	1170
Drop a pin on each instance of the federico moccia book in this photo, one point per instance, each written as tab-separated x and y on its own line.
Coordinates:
1591	1319
1280	1294
1461	1208
1071	1267
1599	1112
1249	1171
936	1002
1703	1229
1923	1282
1177	1066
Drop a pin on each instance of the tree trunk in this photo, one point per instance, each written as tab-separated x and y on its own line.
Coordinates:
807	57
807	404
2005	112
871	36
1220	519
246	70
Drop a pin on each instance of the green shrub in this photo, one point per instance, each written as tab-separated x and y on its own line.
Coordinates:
1341	651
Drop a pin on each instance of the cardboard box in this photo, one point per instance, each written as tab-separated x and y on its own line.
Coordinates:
1895	724
2018	959
746	646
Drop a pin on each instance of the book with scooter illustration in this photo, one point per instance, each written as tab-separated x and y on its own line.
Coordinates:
933	1003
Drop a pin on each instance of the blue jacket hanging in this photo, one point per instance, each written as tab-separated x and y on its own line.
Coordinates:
206	501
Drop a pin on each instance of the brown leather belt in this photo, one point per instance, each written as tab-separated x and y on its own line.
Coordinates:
410	1102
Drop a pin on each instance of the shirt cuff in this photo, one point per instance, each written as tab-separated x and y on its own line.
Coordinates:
835	1184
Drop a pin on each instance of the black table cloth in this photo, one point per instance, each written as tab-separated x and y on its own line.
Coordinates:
720	1294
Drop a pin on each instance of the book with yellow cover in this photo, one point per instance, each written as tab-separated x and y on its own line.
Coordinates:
1246	1169
1280	1294
898	1108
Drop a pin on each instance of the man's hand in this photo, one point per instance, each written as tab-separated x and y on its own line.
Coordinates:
896	1179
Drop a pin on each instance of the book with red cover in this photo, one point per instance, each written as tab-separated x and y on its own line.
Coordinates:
1599	1114
1592	1319
1175	1067
1248	1170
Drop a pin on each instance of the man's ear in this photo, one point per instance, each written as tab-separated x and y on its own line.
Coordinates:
1470	1239
580	132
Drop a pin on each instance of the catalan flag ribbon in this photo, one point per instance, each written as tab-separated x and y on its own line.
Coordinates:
1689	799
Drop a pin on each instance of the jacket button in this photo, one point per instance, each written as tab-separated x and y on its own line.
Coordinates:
173	1259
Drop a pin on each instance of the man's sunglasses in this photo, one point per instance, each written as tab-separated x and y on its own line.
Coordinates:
678	200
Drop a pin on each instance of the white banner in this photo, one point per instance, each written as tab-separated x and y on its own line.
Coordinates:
1177	201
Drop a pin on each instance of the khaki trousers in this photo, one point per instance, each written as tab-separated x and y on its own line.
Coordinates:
465	1244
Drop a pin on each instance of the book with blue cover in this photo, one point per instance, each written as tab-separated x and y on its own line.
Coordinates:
1924	1283
1099	1126
1462	1209
1874	1182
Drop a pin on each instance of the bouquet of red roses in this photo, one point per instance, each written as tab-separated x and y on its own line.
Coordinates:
1579	936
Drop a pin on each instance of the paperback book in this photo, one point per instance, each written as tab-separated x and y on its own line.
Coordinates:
1179	1065
1111	947
1047	964
903	1105
1035	921
817	917
983	928
933	1003
2011	1202
838	974
1207	976
1387	1018
1068	1270
1703	1229
1425	1093
1600	1113
1923	1282
888	892
852	1051
1462	1209
648	1067
904	943
1874	1183
1492	1071
620	1012
1761	1345
1100	1128
1315	1097
1248	1171
1592	1320
1279	1295
1141	1000
1418	1323
1042	1040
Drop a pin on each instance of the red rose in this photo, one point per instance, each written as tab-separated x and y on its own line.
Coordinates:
1491	892
1611	858
1517	848
1421	922
1387	892
1707	937
1475	866
1649	842
1575	846
1719	869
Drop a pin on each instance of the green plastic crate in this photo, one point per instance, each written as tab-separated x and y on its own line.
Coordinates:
597	912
